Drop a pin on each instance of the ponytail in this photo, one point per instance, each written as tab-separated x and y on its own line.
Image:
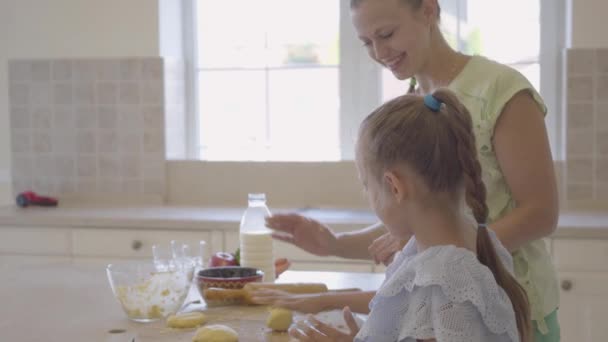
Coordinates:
460	121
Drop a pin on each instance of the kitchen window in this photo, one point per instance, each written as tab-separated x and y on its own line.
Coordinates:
285	80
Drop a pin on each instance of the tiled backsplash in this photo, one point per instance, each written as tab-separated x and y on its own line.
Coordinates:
88	126
587	125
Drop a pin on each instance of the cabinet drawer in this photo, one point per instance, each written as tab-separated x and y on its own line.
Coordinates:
129	243
580	255
35	241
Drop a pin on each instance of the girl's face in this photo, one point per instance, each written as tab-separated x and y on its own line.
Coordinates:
394	34
383	199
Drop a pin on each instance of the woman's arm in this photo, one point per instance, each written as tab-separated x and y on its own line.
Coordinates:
355	244
522	149
317	238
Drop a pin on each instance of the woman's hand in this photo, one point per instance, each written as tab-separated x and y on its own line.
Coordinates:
306	233
306	303
383	249
315	330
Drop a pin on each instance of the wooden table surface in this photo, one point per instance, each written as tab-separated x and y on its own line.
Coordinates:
67	301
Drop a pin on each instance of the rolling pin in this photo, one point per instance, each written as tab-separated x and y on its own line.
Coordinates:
220	296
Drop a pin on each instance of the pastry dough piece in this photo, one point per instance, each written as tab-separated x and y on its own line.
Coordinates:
215	333
279	319
186	320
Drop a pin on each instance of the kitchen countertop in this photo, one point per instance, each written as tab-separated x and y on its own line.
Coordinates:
63	301
574	224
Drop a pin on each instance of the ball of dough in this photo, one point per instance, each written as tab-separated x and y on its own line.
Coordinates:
186	320
215	333
279	319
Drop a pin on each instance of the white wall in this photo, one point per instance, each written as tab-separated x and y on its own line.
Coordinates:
589	24
5	190
69	28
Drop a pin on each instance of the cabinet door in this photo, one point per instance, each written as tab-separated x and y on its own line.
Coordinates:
584	306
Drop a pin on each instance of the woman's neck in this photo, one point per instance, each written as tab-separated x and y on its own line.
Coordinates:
442	66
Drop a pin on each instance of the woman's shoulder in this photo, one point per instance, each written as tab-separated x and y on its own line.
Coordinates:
482	63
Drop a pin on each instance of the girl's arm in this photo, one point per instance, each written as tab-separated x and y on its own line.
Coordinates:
358	301
522	149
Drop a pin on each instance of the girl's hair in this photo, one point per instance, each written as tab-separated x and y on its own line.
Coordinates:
415	4
440	148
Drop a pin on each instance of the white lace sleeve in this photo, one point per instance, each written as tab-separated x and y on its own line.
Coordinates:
442	293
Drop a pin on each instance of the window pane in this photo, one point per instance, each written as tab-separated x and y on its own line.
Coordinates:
501	30
278	32
266	90
233	109
304	114
222	41
303	32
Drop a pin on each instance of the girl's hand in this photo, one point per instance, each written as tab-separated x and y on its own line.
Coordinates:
306	303
315	330
383	249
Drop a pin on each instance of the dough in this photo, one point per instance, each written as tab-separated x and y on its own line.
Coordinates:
186	320
215	333
279	319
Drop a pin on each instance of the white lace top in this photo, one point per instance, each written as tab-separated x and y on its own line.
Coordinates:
443	293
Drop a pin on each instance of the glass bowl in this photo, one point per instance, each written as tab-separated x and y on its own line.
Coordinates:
147	291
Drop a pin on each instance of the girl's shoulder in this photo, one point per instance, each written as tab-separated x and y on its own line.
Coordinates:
448	282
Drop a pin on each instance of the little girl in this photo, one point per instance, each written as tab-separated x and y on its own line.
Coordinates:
417	161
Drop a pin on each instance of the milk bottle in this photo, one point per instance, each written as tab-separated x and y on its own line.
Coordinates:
257	247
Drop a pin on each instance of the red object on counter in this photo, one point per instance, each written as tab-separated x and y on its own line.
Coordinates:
28	198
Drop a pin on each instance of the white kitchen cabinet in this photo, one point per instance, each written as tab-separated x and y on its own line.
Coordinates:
584	306
129	243
580	255
25	260
582	267
231	241
35	241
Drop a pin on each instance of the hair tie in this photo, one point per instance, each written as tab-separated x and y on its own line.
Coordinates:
482	225
432	103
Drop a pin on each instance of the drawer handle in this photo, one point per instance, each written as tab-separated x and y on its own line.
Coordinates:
566	285
136	245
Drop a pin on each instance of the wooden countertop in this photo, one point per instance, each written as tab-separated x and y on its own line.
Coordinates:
61	301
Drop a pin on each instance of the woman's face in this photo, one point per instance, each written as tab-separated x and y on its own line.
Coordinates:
395	35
